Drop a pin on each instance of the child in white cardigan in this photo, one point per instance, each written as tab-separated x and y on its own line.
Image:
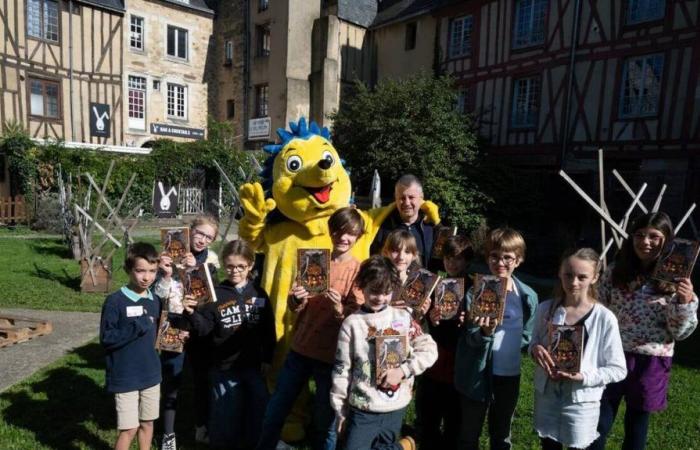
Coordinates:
374	409
567	404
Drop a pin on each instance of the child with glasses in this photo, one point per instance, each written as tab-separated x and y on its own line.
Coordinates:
240	333
652	317
203	232
487	364
315	336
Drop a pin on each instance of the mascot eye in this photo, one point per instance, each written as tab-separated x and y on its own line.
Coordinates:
328	157
294	163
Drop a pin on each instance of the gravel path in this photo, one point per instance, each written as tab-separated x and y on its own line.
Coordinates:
70	330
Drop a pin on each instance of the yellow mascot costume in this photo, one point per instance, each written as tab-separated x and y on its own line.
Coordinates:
304	182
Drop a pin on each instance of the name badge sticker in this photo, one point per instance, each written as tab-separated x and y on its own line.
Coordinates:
134	311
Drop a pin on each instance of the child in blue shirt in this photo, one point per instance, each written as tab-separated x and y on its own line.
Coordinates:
487	363
128	329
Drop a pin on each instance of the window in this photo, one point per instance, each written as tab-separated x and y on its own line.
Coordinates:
42	19
529	22
228	52
177	101
136	33
44	99
136	92
230	109
263	32
465	100
411	31
263	5
639	11
177	42
526	99
641	84
261	100
461	36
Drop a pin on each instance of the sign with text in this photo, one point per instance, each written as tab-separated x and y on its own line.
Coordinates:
259	128
176	131
100	120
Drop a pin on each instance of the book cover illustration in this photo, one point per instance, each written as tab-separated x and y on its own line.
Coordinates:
449	294
418	288
566	347
443	233
170	338
489	296
176	243
391	351
313	267
199	284
676	261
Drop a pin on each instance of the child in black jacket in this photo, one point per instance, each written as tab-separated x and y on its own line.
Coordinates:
241	331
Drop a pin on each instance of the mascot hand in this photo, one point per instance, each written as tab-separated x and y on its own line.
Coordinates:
255	206
431	211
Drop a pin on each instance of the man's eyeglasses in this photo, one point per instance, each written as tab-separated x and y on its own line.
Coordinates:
205	236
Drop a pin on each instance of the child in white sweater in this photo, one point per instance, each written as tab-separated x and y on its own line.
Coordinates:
567	404
374	410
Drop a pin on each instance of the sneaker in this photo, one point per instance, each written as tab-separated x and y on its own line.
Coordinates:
201	435
407	443
168	442
283	446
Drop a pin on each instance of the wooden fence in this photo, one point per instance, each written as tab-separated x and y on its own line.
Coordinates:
13	209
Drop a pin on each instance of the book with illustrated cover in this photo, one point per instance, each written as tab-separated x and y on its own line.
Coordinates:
198	283
313	268
449	294
391	351
175	243
170	338
566	347
441	236
418	288
676	261
489	297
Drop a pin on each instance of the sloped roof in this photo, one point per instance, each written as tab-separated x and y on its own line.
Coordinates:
396	11
198	5
112	5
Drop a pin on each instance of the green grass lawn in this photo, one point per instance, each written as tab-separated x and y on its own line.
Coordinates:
65	405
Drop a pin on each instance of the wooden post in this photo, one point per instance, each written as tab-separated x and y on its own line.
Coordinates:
593	204
601	188
685	217
657	203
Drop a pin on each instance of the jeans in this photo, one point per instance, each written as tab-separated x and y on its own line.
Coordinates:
172	366
437	403
374	431
291	380
500	415
636	423
237	402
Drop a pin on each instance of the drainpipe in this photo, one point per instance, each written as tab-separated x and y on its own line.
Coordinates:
246	70
567	100
70	67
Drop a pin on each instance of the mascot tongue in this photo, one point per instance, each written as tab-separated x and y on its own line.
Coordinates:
322	194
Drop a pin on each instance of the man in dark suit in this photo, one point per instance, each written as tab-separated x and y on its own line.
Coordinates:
410	214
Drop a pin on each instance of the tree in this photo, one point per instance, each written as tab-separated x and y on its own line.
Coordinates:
412	126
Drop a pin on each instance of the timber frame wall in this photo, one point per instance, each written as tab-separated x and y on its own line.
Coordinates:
97	63
604	42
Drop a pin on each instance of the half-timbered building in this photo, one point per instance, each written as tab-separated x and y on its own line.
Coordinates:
551	81
61	70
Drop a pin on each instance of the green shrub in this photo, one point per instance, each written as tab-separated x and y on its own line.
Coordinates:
412	126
